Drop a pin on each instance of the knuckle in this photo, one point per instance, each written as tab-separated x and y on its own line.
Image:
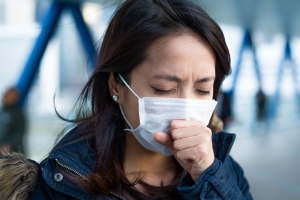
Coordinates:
179	155
176	145
176	135
173	124
202	149
207	131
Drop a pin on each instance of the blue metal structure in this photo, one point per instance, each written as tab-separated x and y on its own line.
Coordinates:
274	101
84	35
273	105
247	43
49	26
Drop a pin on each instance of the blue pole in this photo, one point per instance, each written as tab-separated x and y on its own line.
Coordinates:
236	72
31	67
275	99
256	65
246	43
287	56
85	35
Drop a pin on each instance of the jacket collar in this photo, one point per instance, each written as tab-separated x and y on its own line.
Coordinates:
78	158
82	158
222	144
75	157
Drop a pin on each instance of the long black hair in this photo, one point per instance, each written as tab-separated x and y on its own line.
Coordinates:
135	26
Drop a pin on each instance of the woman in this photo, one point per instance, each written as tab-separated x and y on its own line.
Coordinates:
151	96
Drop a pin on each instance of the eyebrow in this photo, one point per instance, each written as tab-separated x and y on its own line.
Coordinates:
177	79
168	78
206	79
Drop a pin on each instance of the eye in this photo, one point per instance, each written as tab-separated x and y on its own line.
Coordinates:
202	92
162	92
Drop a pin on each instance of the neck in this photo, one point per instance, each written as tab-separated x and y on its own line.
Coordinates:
157	167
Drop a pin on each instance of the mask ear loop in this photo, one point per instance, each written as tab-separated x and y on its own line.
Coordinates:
125	117
120	105
128	86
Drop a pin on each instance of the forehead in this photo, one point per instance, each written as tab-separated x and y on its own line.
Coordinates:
182	55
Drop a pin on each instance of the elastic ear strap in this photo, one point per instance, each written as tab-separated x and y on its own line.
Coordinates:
125	117
128	86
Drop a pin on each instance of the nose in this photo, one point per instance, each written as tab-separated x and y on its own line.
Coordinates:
188	93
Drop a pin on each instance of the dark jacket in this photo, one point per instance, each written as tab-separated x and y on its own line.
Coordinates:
223	180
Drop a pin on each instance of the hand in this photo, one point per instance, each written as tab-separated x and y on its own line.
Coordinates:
191	143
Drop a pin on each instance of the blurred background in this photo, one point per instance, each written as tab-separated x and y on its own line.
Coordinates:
48	48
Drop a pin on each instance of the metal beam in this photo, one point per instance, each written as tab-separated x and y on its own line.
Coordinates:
32	65
85	35
247	43
49	26
273	105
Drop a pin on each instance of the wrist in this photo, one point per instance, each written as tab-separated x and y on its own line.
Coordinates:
202	169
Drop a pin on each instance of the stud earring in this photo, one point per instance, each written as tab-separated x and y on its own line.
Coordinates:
115	98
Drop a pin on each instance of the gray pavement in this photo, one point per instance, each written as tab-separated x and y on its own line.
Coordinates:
271	163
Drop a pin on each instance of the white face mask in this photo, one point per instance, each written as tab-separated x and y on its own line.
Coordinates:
156	114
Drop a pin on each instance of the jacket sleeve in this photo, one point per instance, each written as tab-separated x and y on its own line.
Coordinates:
219	181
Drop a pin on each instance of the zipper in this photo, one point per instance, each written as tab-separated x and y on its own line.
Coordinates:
115	194
70	169
74	171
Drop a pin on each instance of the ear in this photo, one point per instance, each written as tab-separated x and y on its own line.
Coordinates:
114	87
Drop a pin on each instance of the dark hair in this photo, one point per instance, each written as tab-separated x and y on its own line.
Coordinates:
136	25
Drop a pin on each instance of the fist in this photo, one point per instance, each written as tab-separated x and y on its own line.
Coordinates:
191	143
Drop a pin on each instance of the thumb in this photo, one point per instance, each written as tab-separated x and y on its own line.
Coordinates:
164	139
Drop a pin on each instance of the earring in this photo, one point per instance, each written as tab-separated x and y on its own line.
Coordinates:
115	98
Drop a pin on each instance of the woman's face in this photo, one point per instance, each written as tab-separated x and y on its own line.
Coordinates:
181	66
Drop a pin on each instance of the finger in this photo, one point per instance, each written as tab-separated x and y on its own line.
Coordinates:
164	139
187	155
190	142
193	154
181	123
181	133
